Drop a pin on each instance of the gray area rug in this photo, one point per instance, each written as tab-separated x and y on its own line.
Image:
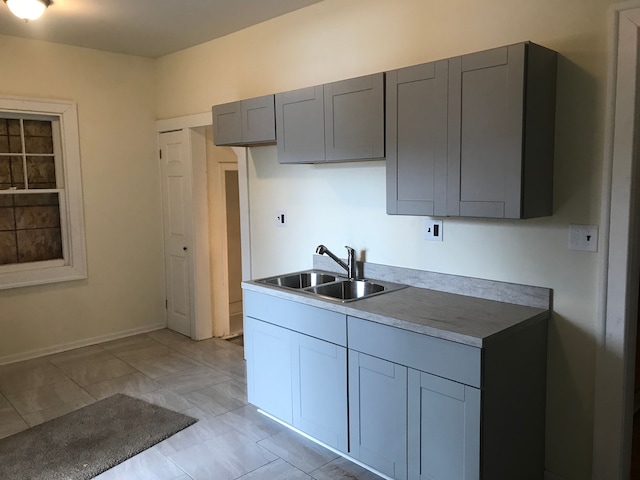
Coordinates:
88	441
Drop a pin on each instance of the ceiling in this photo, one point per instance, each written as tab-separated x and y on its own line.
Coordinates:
148	28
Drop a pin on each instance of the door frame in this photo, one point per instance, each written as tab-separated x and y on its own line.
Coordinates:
620	264
221	296
195	125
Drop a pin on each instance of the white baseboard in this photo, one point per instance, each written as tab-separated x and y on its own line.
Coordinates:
41	352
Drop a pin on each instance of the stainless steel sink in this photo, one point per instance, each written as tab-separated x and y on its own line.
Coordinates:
301	280
330	286
348	289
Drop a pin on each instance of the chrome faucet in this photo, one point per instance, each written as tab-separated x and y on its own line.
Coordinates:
350	266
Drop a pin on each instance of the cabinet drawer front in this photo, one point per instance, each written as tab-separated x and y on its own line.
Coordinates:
455	361
313	321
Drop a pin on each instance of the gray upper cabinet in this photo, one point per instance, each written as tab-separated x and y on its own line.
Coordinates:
340	121
300	121
501	132
354	118
246	122
473	136
416	134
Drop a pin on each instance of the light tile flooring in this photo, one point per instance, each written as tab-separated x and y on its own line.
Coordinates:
203	379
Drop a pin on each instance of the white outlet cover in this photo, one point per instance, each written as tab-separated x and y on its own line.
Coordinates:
432	230
583	238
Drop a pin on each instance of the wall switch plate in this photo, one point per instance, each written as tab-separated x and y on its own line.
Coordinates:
433	230
281	218
583	238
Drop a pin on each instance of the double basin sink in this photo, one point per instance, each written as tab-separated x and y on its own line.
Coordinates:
331	286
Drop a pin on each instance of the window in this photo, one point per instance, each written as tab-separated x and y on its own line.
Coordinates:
41	220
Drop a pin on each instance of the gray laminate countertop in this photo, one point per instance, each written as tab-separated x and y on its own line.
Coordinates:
458	318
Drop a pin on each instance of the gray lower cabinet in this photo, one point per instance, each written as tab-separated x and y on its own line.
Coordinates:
245	122
443	428
319	390
378	413
473	136
296	377
269	367
339	121
409	405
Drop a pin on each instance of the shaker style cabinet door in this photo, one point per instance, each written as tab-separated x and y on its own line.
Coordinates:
320	390
378	413
501	132
258	120
227	124
444	429
354	118
300	125
416	135
268	352
247	122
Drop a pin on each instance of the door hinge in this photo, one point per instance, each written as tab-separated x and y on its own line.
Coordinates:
166	303
160	151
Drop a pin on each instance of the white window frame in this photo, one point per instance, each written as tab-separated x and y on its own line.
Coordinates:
74	264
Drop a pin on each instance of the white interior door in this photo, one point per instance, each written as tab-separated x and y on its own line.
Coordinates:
178	230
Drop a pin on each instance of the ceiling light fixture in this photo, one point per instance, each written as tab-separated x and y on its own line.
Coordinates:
27	9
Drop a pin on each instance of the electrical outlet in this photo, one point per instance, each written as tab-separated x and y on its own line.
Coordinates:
433	230
281	218
583	238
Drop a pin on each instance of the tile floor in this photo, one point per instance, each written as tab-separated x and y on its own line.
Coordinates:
203	379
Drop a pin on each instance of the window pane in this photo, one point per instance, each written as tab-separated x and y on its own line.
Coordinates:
5	173
13	125
29	228
41	172
17	172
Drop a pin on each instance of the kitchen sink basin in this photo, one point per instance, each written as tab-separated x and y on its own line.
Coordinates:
330	286
301	280
348	289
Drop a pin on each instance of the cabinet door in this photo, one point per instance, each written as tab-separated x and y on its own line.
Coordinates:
227	125
486	100
444	428
258	120
416	135
300	125
268	353
378	414
354	118
320	390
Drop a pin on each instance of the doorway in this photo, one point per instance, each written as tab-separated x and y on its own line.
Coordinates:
227	254
221	252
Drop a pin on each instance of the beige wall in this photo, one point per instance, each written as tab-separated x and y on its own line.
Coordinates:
335	40
120	175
